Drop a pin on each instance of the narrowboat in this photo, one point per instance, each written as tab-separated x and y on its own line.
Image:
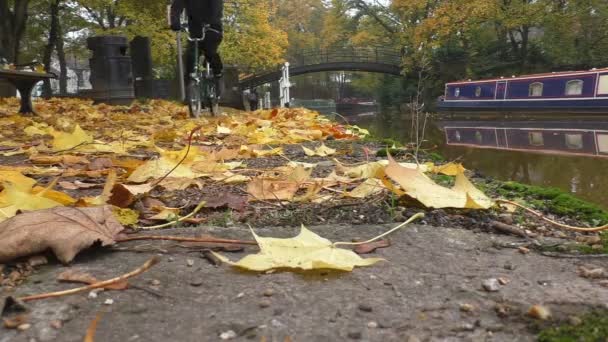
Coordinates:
564	138
572	91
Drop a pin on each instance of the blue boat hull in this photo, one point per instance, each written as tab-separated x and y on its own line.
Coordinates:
599	105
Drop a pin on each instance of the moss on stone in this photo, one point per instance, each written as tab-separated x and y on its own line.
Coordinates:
555	201
594	328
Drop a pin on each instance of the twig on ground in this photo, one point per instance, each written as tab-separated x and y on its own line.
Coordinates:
90	336
186	239
573	256
146	266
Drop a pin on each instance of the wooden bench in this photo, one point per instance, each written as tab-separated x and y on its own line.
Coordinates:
25	81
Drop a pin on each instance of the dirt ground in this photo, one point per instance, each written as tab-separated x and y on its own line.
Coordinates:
433	276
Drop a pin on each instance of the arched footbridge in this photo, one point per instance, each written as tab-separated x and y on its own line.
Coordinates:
370	59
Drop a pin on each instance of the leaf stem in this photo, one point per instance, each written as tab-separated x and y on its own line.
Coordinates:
410	220
169	224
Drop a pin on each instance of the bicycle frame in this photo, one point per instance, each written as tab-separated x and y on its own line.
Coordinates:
203	81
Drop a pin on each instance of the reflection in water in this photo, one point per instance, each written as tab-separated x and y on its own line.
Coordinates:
562	152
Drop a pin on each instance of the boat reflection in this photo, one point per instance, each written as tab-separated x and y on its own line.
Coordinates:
564	137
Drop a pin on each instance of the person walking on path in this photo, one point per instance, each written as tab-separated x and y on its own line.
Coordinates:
254	98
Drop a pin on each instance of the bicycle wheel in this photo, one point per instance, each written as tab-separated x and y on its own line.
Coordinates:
195	103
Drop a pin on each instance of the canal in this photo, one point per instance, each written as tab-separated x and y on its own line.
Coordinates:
558	151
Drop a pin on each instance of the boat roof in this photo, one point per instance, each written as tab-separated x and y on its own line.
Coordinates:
532	76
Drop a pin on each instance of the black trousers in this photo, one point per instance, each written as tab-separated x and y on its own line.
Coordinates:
207	49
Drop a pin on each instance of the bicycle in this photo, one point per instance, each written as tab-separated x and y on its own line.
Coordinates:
202	88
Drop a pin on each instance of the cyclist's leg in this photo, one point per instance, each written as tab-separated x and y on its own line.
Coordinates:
189	67
211	45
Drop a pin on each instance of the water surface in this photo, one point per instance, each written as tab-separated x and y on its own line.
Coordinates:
582	175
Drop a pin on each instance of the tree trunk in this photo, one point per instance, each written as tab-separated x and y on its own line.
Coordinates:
51	44
63	67
12	27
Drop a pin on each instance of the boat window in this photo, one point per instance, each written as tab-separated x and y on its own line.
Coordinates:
536	89
574	87
603	85
457	92
536	138
478	137
574	141
478	91
602	143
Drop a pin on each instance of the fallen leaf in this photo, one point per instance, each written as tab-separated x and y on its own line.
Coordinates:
272	189
307	251
16	321
175	184
57	196
450	169
13	200
372	246
368	188
66	231
226	200
66	141
62	159
82	277
18	180
126	217
420	187
223	130
365	171
166	214
321	151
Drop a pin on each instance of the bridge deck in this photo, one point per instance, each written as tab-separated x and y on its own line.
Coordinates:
373	59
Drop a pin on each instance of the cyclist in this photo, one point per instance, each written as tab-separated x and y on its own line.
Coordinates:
201	13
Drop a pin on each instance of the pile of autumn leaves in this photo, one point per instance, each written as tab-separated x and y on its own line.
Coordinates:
120	147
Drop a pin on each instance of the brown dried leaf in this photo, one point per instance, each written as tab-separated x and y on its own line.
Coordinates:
272	189
78	276
14	322
64	230
228	200
372	246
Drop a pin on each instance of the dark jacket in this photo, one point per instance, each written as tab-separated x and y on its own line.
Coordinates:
199	12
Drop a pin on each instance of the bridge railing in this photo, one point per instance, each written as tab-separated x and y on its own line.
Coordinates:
371	55
355	54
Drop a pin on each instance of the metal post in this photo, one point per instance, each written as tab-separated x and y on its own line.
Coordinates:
284	85
180	67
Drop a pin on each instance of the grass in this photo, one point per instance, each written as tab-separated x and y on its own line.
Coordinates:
555	201
594	328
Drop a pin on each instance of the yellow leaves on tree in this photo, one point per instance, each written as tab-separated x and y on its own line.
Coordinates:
250	38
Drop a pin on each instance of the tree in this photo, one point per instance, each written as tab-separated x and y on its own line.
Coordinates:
12	27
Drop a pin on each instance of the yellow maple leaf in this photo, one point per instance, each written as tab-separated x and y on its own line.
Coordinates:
307	251
64	141
17	179
321	151
368	188
420	187
450	169
14	199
